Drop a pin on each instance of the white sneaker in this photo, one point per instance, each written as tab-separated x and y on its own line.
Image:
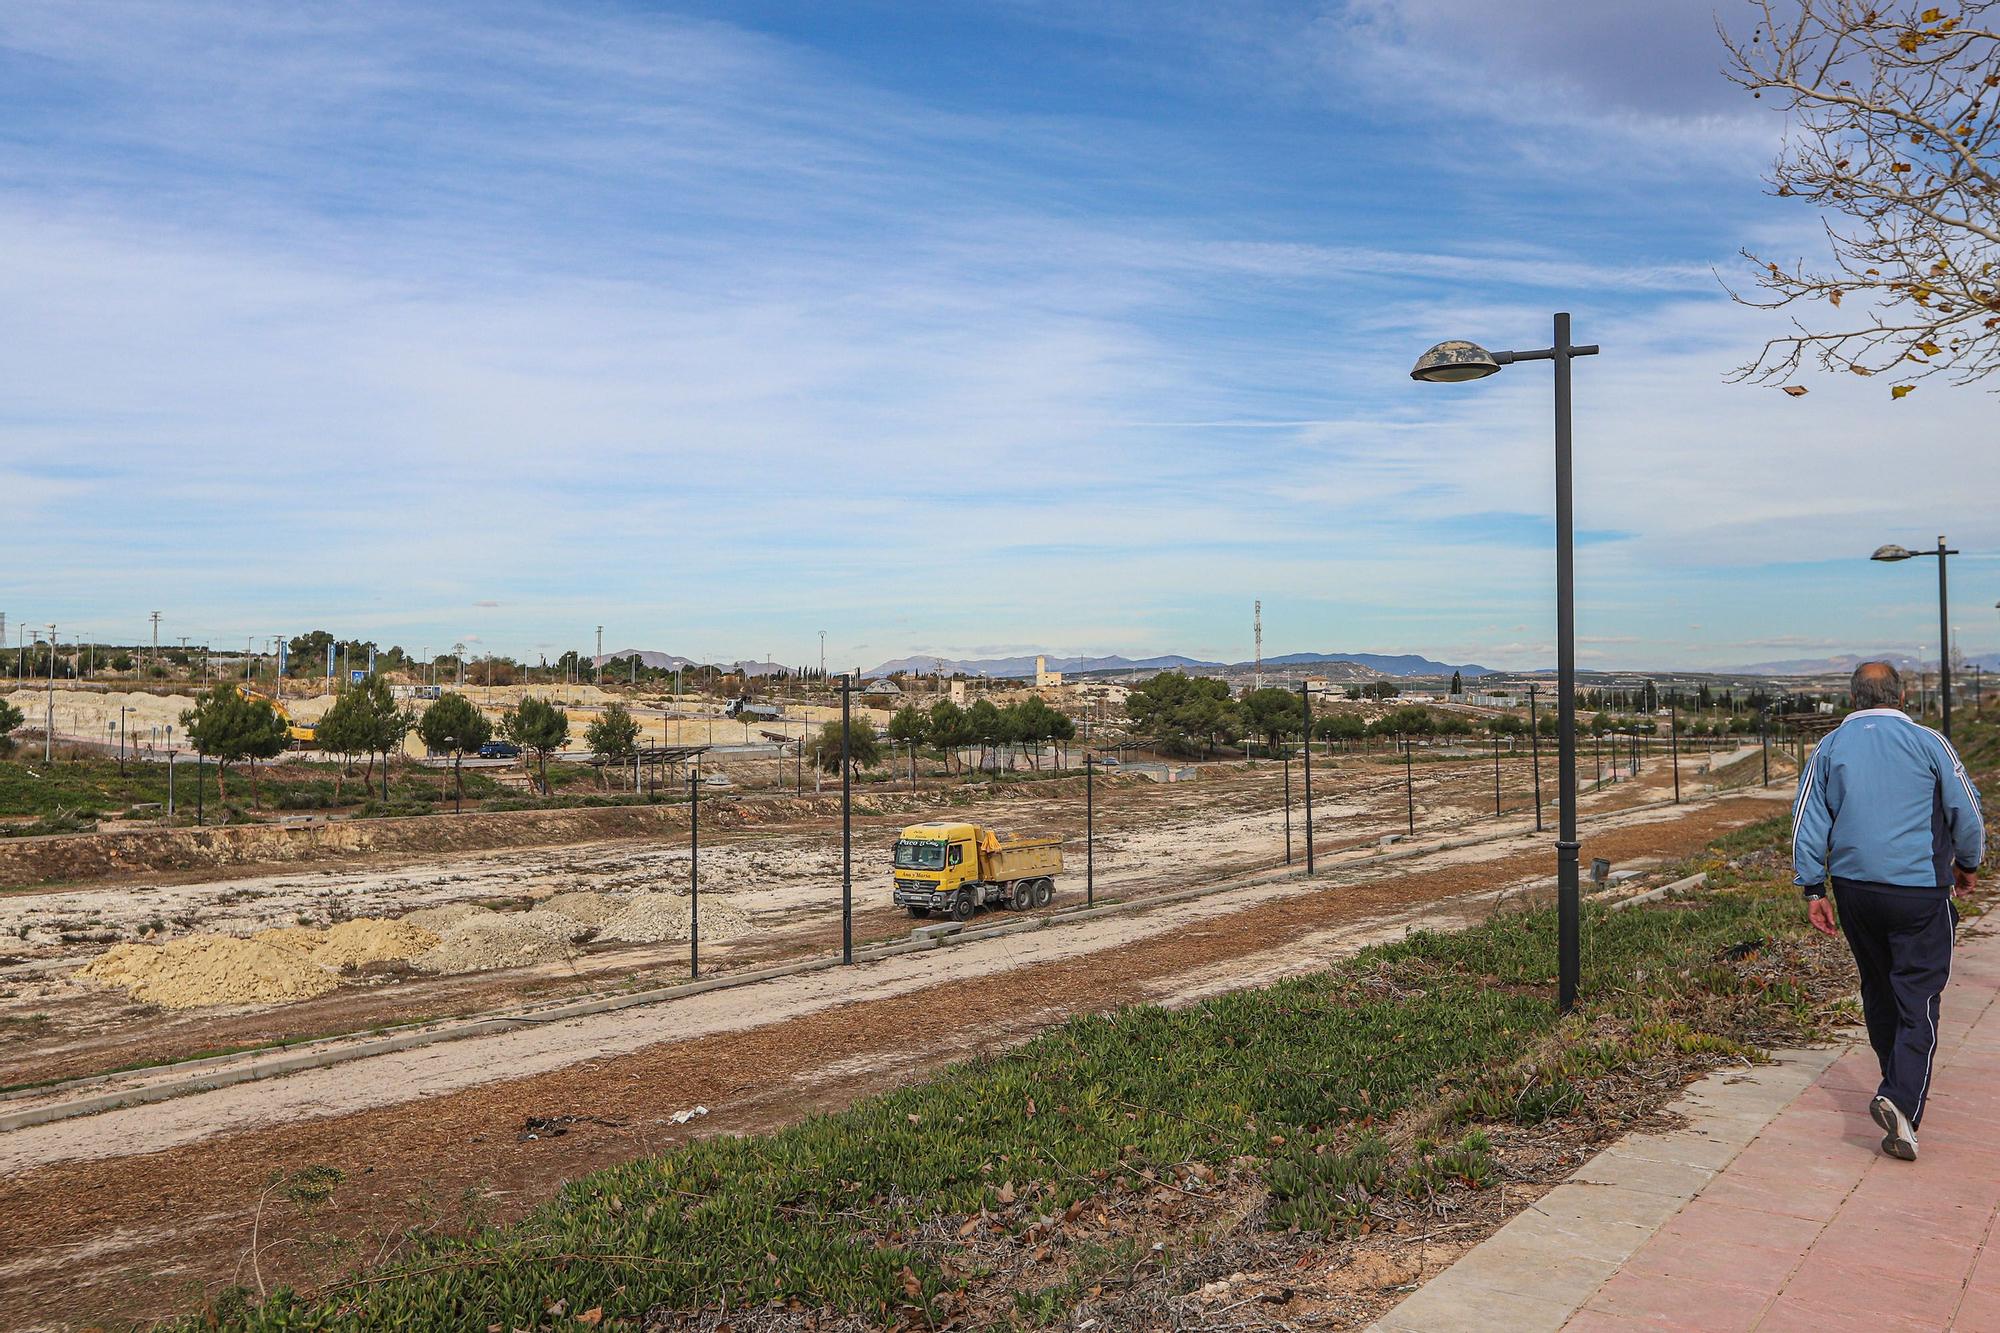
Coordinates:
1900	1140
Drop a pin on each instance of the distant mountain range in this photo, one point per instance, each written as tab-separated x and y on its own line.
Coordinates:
651	660
1386	664
1845	662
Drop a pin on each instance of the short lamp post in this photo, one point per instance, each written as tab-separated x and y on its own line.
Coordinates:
1892	553
1454	362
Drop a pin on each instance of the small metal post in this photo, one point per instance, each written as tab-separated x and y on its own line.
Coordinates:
1674	739
846	826
170	783
200	792
1306	707
1764	740
457	783
1288	805
1409	787
1535	747
694	871
1089	831
1496	776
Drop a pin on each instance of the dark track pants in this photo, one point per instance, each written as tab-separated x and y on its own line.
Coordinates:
1901	940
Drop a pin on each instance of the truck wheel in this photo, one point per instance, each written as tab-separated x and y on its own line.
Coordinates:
961	906
1045	892
1024	895
919	913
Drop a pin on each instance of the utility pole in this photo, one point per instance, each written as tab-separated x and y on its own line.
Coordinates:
600	655
822	655
156	640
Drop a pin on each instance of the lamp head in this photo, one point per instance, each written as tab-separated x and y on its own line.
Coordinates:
1891	552
1453	361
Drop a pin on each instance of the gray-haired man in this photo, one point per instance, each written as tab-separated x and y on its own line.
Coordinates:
1886	812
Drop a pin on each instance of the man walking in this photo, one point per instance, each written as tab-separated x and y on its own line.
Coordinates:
1886	812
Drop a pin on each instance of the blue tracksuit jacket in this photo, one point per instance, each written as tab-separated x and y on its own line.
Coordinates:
1884	800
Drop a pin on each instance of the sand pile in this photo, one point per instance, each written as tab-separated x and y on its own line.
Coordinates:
593	909
369	939
651	918
440	919
503	939
202	970
299	939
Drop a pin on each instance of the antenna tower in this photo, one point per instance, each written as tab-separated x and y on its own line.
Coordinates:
1257	676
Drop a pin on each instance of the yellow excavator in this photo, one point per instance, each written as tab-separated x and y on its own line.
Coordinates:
303	735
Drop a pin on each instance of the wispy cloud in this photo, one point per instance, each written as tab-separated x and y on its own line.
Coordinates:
494	325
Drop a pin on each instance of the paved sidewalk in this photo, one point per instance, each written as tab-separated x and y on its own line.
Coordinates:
1774	1210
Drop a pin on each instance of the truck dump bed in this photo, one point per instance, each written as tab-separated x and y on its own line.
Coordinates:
1020	858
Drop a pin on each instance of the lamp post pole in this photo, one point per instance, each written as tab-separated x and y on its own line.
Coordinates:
1893	553
1453	361
1944	639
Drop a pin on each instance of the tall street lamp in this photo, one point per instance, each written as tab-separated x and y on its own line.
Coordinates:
1893	553
1453	362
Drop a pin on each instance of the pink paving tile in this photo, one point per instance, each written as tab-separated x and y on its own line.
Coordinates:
1858	1069
1904	1253
1979	1310
1814	1202
1869	1287
1596	1321
1929	1196
1749	1268
1713	1306
1986	1268
1749	1226
1815	1316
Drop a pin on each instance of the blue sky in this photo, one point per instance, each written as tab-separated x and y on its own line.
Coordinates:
948	328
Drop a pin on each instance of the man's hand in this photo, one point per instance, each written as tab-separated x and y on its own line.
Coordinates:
1819	911
1963	881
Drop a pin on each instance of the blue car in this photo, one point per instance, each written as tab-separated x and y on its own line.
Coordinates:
499	750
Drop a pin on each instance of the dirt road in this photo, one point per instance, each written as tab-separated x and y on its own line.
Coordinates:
139	1212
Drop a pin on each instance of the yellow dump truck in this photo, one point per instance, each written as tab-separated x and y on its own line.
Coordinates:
956	869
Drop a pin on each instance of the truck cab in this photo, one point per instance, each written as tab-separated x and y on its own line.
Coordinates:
957	868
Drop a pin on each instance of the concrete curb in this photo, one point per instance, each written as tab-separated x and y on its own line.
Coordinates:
1539	1269
220	1071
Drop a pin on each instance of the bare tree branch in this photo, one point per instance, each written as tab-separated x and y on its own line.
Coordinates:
1893	133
